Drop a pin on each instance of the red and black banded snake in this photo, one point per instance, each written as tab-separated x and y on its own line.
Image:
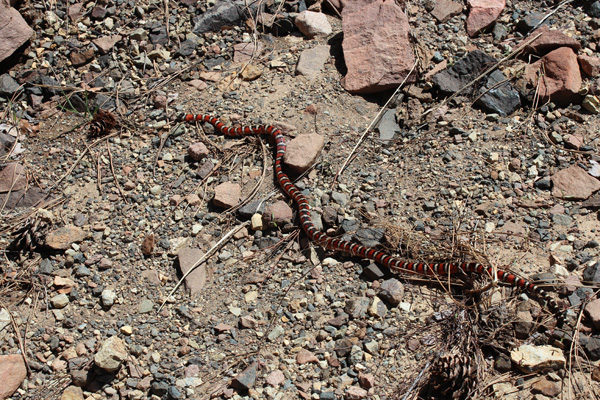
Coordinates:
395	265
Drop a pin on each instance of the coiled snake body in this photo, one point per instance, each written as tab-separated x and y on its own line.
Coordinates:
395	265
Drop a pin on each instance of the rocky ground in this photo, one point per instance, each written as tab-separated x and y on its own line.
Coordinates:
488	152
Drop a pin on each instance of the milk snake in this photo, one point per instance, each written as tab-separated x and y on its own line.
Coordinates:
394	264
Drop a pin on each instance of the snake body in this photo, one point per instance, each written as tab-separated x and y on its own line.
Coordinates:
394	264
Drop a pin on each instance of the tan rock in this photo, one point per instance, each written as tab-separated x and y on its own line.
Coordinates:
302	152
531	358
313	24
227	195
62	238
111	354
196	280
72	393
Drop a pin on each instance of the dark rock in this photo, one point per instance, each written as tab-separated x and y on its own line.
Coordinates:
187	48
250	209
500	98
529	22
369	237
224	12
592	274
8	86
543	184
457	76
247	378
159	388
373	272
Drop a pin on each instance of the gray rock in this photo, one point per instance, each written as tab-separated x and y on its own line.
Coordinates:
250	209
146	306
388	126
339	198
592	274
392	291
275	333
187	48
454	78
369	237
8	85
562	219
59	301
357	307
311	61
108	297
45	267
356	355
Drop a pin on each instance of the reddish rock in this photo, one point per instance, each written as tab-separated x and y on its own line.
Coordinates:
304	357
546	387
247	378
193	199
196	280
355	393
248	322
561	80
198	84
198	151
244	52
14	32
106	43
76	11
549	40
590	65
221	327
596	374
313	24
574	142
302	152
12	178
81	58
446	9
483	14
275	378
592	311
13	372
278	214
574	183
160	102
378	56
227	195
148	244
